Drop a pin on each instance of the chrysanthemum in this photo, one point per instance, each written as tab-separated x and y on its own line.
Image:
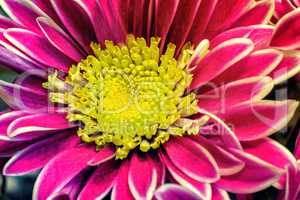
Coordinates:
142	93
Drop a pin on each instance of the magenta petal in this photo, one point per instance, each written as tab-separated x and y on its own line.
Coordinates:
261	118
179	31
224	15
287	68
161	172
258	63
60	170
255	176
6	119
260	13
175	192
58	38
36	125
76	20
100	182
192	159
38	48
110	14
201	21
263	148
228	53
18	53
203	190
166	10
24	98
224	97
227	163
280	158
219	194
46	7
142	185
37	155
121	188
6	23
24	12
9	148
13	61
292	184
260	35
287	35
71	190
105	154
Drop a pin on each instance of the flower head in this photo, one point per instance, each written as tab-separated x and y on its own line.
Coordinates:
118	93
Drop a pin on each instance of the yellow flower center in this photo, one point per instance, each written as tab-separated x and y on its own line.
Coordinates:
129	95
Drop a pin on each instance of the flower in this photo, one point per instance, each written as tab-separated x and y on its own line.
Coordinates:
141	88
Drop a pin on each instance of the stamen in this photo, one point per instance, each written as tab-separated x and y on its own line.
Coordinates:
129	95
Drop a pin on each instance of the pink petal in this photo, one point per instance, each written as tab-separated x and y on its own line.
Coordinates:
139	12
9	148
37	155
13	61
121	188
115	22
283	7
6	23
100	182
76	20
261	119
142	185
175	192
219	194
106	19
161	171
123	7
203	190
192	159
45	6
227	163
224	16
164	16
243	91
37	125
287	35
18	53
228	53
287	68
260	35
19	97
24	12
292	184
265	147
179	31
60	170
59	39
259	63
201	21
71	190
38	48
6	119
255	176
260	13
105	154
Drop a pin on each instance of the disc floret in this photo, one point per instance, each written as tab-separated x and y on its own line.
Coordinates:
129	95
